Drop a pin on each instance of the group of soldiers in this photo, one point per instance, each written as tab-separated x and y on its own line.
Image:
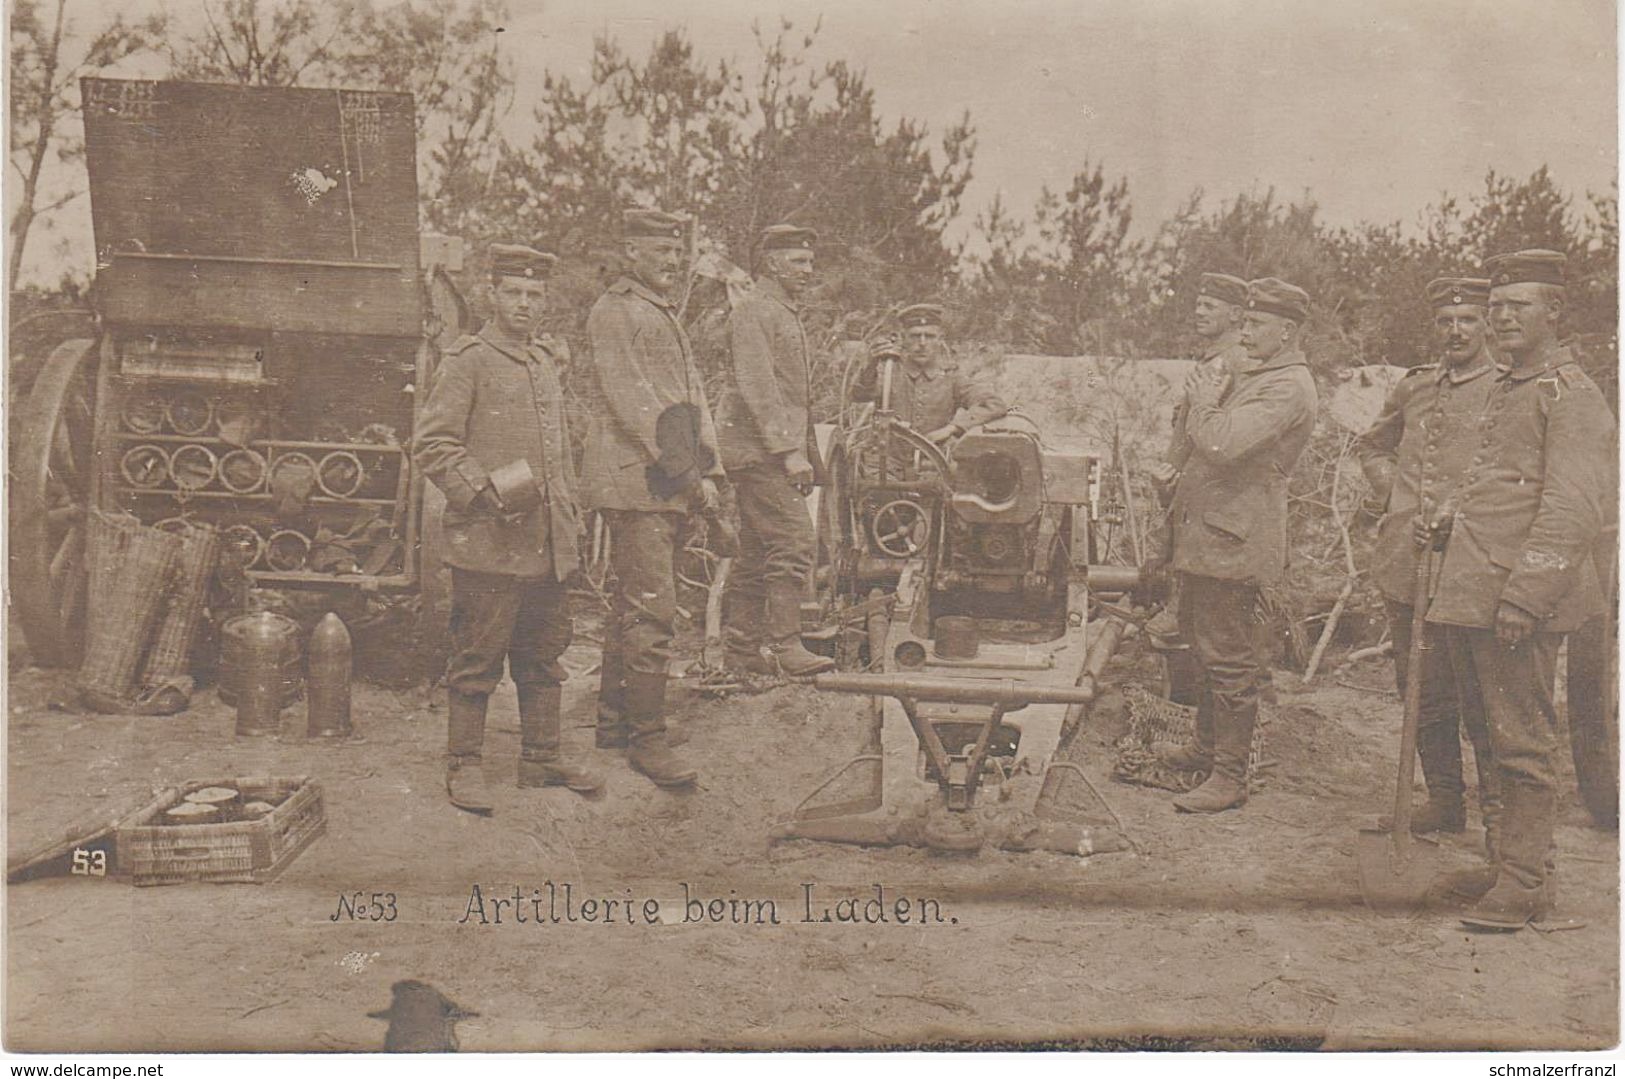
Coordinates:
1496	469
493	437
1494	465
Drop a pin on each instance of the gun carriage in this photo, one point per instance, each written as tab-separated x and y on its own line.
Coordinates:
964	584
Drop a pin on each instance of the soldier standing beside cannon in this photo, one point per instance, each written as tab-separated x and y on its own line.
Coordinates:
1414	457
1517	572
1221	303
492	436
929	392
1229	512
764	424
650	460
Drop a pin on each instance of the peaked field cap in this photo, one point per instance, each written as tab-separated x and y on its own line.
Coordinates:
517	260
1454	291
788	237
1533	264
921	314
1222	286
1277	297
651	224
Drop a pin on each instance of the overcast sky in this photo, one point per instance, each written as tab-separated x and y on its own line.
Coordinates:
1374	106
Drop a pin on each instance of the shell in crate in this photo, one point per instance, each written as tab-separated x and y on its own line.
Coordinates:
254	850
145	467
188	813
287	550
190	414
243	545
242	471
226	801
340	474
193	467
142	414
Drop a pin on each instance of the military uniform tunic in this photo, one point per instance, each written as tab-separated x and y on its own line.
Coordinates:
1233	358
642	364
1229	509
766	404
928	399
1533	503
1416	455
493	403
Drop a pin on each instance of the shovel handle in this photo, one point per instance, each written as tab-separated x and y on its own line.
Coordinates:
1413	698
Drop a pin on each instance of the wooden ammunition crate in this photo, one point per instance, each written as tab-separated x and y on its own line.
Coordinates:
250	851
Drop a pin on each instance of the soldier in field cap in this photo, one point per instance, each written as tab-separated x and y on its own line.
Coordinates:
1415	456
929	392
1518	569
493	437
1246	430
650	460
764	424
1221	301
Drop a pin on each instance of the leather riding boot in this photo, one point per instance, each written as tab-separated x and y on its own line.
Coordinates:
465	735
1233	740
1197	754
1438	746
1226	786
611	733
742	633
1185	756
1472	884
1218	793
650	751
1525	843
783	619
1432	816
541	761
1163	628
1489	792
1509	905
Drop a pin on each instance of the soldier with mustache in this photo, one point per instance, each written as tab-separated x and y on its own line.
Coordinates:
1415	456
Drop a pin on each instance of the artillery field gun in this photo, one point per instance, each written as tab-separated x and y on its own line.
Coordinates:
963	584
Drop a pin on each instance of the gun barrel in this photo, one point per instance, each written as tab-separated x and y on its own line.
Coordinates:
1006	691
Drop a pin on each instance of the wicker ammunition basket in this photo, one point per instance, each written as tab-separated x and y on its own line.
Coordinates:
1154	719
131	567
172	649
241	851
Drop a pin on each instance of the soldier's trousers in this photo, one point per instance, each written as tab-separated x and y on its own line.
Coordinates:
1516	687
643	617
1444	713
524	620
494	616
1219	620
775	550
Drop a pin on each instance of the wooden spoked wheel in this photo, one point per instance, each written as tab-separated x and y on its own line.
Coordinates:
53	472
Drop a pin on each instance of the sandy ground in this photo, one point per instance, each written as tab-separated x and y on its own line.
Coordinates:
1242	930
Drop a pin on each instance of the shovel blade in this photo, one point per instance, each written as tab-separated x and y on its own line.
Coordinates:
1397	875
